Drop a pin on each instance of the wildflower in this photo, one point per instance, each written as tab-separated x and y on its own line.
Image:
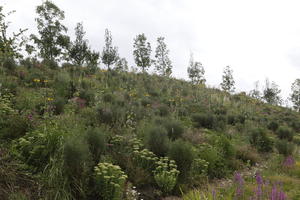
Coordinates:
289	162
46	81
258	178
36	80
50	99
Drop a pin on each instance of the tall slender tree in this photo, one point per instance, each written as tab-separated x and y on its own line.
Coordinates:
52	40
142	52
110	53
163	63
196	71
227	80
295	96
78	50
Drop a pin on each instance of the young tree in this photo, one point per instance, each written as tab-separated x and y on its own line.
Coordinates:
163	63
52	41
78	50
196	72
92	60
227	80
122	65
109	54
271	93
255	93
142	52
295	96
10	46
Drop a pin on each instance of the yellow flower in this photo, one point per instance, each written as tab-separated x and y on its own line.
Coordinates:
46	81
147	95
36	80
50	99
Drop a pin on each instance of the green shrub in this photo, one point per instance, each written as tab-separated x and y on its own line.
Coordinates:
59	103
144	159
198	172
110	181
247	154
166	174
163	110
182	153
273	126
9	64
174	128
285	132
260	140
203	120
231	119
157	140
217	166
14	126
285	147
108	98
223	145
96	141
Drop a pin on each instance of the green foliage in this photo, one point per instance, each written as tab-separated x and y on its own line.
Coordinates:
199	171
260	140
174	128
182	153
163	63
144	158
285	147
247	154
166	174
216	164
96	139
78	50
271	93
157	140
203	120
110	54
285	132
110	181
224	145
51	40
196	72
142	52
273	126
295	96
227	80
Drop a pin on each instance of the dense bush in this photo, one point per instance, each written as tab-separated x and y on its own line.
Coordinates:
224	146
182	153
285	132
260	140
273	126
203	120
216	163
284	147
157	140
174	128
96	140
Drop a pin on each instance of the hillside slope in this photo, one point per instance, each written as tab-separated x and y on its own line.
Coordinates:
66	133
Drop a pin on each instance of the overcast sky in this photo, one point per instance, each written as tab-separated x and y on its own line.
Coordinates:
259	38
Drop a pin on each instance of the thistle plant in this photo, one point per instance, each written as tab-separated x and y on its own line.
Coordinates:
110	181
166	174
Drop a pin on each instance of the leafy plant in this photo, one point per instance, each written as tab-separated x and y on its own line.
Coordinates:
109	180
166	174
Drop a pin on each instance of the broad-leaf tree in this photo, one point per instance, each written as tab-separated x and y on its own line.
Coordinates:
227	80
295	96
122	65
78	50
271	93
110	53
196	72
10	45
51	39
163	64
142	52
